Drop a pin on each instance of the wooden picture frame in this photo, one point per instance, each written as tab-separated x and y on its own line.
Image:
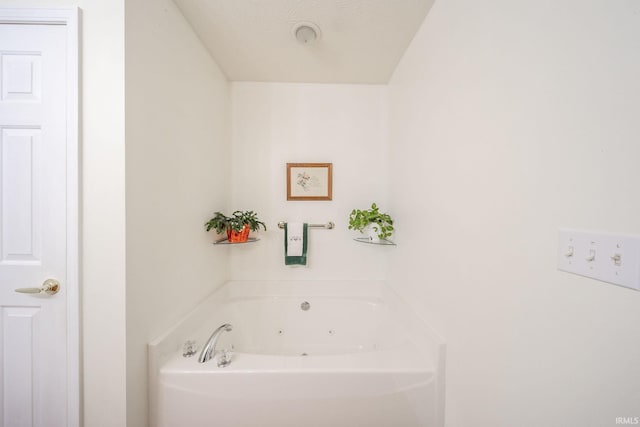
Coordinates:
309	181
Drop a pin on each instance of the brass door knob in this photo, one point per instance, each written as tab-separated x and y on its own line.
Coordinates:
50	286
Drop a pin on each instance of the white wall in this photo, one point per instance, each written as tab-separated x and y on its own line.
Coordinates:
277	123
102	203
177	165
520	117
103	215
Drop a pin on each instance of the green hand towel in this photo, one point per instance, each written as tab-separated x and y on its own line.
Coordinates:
295	260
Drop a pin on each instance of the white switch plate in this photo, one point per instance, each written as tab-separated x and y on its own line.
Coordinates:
616	257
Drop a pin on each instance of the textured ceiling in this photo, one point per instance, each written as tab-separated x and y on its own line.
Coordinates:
252	40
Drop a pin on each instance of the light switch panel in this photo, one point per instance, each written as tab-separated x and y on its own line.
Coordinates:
612	258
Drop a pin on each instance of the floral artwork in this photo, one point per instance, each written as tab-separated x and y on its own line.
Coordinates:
304	180
309	181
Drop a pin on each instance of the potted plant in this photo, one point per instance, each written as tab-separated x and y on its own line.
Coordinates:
237	226
378	226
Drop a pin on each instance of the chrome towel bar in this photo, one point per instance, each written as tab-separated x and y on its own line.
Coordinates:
329	226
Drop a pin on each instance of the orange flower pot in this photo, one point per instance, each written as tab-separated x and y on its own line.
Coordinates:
238	236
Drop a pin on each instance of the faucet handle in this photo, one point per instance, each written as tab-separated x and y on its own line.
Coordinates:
190	348
224	359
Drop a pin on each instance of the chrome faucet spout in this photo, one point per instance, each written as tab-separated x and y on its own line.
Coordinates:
209	350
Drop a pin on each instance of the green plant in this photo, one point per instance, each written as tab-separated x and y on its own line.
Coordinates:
382	222
220	222
250	218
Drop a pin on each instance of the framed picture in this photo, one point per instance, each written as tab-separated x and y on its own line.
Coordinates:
309	181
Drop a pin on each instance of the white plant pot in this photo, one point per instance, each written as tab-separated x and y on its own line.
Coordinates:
372	233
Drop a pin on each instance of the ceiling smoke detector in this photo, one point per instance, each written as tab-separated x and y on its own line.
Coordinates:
306	32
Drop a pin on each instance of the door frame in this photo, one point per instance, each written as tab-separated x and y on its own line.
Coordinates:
70	19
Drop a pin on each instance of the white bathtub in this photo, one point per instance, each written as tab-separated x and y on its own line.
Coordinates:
356	357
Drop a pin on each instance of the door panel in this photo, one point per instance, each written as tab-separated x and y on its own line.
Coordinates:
21	77
20	332
21	181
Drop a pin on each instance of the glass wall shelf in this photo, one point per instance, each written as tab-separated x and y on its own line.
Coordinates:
225	241
383	242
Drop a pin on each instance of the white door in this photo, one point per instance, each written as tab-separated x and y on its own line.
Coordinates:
33	225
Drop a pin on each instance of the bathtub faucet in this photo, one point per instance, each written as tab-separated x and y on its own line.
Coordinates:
209	349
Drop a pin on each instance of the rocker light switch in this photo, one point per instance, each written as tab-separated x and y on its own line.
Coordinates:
612	258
